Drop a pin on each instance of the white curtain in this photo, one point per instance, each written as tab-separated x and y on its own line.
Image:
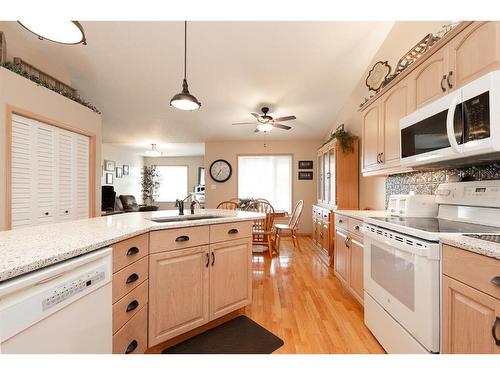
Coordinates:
268	177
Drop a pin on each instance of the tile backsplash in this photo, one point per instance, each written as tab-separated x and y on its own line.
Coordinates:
426	182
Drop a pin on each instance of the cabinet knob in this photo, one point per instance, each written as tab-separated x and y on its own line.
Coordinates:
132	305
132	251
494	331
443	88
496	281
46	214
450	85
132	278
66	212
356	227
131	347
341	221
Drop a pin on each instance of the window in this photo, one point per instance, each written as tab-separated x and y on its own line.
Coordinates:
268	177
173	182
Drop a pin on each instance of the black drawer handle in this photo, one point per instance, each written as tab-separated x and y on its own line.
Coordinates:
132	251
131	347
213	258
132	305
496	281
182	239
132	278
208	260
494	331
232	231
356	227
341	221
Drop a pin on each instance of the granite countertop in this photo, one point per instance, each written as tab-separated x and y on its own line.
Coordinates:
27	249
476	245
362	214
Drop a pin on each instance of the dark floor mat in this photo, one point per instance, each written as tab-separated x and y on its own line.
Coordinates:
240	335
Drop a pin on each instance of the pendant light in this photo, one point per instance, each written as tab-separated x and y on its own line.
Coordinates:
184	100
154	151
63	32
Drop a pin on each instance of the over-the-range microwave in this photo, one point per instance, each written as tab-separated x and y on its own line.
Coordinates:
460	128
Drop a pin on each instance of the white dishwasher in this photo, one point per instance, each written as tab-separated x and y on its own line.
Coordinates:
63	308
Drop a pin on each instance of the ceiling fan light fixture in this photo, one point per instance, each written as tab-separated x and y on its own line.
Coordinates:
154	152
265	127
184	100
63	32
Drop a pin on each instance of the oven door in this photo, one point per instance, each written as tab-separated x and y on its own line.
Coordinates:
402	275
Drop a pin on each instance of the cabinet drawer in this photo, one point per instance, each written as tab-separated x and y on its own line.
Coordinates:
127	307
129	278
132	338
129	251
341	221
230	231
477	271
355	226
174	239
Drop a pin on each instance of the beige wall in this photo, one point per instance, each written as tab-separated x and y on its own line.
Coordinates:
22	93
402	37
127	185
229	150
192	162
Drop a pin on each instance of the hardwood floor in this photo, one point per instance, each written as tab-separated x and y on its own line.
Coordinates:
298	298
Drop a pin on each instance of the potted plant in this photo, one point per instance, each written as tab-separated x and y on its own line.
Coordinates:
150	182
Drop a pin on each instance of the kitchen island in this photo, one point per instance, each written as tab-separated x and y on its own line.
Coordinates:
171	274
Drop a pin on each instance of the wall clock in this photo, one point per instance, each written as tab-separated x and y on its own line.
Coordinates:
220	170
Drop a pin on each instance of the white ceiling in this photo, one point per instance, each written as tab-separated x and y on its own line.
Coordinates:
130	70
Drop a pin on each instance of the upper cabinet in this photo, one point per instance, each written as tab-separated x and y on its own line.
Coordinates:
474	52
466	53
338	173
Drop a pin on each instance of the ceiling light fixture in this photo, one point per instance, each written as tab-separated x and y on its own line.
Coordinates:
63	32
154	152
184	100
265	127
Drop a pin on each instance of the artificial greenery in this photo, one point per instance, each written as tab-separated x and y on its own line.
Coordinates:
18	70
344	137
150	182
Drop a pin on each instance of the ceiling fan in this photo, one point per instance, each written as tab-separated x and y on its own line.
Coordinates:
266	123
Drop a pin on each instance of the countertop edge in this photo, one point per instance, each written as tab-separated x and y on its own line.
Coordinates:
473	245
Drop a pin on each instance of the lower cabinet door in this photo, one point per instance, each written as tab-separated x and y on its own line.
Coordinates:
179	292
230	276
341	258
471	320
356	269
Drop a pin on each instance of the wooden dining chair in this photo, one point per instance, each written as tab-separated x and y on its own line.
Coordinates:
228	205
291	226
262	229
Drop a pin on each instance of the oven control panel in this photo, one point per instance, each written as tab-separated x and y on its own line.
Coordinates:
474	193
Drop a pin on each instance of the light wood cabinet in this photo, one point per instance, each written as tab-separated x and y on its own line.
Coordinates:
179	292
341	258
230	276
370	138
429	79
348	255
464	54
474	52
471	303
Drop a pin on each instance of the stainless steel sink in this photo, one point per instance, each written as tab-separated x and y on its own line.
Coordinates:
184	218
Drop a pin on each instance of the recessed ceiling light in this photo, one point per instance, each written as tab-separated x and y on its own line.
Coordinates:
64	32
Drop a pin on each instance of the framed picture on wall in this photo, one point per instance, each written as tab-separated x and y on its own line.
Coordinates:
305	175
119	172
109	165
305	164
109	178
125	170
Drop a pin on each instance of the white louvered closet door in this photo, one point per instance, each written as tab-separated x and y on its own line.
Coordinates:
50	173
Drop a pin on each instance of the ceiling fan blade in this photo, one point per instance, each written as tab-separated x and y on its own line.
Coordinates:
256	115
243	123
281	126
285	118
